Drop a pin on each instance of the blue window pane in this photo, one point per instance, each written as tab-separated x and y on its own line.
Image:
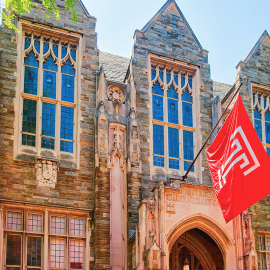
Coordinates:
29	116
158	161
73	51
37	43
174	164
187	114
158	140
47	143
66	146
161	73
254	98
168	75
190	81
64	50
268	151
258	128
267	132
172	111
265	102
27	41
257	114
49	84
267	116
187	96
55	48
48	119
30	80
153	72
31	60
173	142
188	145
67	88
157	89
28	140
172	93
187	165
68	69
183	79
176	77
49	64
46	45
260	99
157	107
67	123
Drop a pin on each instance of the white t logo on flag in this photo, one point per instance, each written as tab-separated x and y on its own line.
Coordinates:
221	173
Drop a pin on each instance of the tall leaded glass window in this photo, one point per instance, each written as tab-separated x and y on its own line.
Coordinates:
158	145
172	114
53	62
172	98
187	108
157	101
261	118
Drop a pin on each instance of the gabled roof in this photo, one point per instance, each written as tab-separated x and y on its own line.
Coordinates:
84	9
148	25
256	46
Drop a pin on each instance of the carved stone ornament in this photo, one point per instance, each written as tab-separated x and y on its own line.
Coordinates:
172	9
151	207
116	94
46	173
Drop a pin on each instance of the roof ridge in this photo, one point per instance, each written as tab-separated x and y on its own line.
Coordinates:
222	82
114	54
256	46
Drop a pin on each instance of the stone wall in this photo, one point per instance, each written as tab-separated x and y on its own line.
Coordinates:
74	187
170	36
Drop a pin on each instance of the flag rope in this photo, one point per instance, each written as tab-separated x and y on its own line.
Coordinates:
238	89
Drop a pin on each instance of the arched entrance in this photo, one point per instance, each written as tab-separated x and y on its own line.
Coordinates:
200	250
199	238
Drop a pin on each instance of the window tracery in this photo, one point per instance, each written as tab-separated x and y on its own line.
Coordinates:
261	115
53	60
172	106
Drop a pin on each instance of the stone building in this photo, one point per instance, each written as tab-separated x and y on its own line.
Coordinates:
94	148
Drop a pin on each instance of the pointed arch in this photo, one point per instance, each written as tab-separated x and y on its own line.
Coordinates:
204	223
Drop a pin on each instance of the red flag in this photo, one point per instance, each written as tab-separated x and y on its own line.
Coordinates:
238	163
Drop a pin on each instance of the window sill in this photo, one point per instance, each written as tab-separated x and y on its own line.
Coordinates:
30	154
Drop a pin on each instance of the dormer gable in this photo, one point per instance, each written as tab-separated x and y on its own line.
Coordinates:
263	40
171	7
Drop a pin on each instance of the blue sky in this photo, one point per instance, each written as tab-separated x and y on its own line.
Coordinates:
227	29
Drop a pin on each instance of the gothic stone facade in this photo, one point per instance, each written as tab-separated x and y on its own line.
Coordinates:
95	146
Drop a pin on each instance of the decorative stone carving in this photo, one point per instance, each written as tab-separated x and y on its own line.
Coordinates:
170	207
151	207
115	94
172	9
46	173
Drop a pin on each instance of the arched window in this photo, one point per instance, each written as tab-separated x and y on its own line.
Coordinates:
261	116
157	101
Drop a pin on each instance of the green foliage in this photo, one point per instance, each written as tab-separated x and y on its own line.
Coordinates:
13	7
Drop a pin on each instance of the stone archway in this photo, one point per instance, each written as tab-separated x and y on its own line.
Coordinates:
199	230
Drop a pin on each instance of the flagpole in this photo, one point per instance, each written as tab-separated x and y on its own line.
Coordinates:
185	176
